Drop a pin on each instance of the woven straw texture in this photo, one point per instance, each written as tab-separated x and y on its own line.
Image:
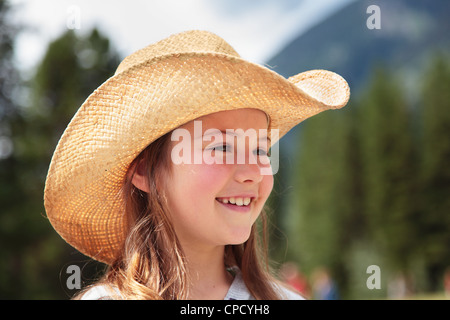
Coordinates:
154	91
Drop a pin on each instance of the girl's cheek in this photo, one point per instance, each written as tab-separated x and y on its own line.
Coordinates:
266	186
205	177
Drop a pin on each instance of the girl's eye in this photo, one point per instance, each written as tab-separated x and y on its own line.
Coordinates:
222	148
261	152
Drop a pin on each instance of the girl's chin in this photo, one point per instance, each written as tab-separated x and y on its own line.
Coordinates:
239	237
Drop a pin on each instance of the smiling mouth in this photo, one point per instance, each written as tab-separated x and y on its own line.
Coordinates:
237	201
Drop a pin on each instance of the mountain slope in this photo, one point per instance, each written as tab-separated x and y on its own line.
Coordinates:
410	31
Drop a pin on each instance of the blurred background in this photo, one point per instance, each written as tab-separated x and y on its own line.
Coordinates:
361	205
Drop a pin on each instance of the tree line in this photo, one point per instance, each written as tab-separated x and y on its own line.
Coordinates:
371	186
34	111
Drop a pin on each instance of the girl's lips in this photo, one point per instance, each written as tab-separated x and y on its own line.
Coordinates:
239	199
235	207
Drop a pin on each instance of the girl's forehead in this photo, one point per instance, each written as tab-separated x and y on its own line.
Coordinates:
232	119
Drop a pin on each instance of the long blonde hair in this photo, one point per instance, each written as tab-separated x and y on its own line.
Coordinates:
152	264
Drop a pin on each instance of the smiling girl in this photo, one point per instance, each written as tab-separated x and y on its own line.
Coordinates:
171	229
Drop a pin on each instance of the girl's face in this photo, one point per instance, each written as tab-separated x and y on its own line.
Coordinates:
216	188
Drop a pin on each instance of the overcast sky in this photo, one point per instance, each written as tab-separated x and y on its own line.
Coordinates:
257	29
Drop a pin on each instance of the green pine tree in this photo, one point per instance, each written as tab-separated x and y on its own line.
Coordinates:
389	166
435	171
11	193
321	212
71	69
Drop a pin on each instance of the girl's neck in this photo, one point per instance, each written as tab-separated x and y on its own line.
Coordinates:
208	276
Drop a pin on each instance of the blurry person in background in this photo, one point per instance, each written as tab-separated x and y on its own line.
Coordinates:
290	274
324	287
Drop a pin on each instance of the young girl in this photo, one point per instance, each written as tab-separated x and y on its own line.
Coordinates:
162	174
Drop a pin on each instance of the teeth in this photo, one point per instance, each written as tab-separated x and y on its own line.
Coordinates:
237	201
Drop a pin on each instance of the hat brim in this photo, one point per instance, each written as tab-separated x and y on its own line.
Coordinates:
133	108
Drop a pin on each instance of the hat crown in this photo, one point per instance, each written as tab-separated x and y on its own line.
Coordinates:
186	42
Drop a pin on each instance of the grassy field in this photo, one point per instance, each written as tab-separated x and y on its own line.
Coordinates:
428	296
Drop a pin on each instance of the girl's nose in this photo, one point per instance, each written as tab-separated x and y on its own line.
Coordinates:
248	173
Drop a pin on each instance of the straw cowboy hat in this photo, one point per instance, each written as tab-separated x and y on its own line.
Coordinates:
154	91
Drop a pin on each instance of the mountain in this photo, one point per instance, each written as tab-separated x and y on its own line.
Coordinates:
410	31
